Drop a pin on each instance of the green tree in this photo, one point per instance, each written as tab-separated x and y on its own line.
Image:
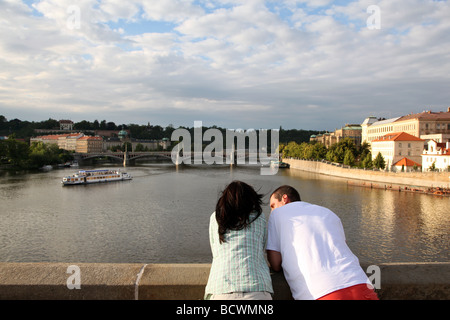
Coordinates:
349	158
43	154
139	147
367	161
17	152
379	162
307	151
49	124
432	168
3	123
364	149
83	125
291	150
337	152
319	151
330	155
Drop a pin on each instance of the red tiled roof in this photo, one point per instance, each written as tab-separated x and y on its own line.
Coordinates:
57	136
53	136
407	163
399	136
90	138
427	115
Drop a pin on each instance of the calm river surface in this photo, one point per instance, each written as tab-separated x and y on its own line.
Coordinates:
162	216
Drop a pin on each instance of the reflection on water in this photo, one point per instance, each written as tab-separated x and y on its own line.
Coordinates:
162	216
382	226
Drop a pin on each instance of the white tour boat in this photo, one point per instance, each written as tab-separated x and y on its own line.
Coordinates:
95	176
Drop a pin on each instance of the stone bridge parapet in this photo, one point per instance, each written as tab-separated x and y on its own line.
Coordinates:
115	281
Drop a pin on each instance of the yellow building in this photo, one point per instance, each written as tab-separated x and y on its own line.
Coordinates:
69	141
64	141
352	131
418	125
89	145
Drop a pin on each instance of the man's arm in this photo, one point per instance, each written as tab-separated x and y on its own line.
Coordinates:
274	258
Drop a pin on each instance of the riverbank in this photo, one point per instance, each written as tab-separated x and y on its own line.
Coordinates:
437	183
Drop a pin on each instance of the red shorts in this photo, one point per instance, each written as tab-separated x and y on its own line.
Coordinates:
358	292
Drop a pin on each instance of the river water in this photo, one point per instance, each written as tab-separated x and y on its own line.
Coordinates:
162	215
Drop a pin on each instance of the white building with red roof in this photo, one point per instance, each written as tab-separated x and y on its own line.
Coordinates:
396	146
407	165
66	125
437	154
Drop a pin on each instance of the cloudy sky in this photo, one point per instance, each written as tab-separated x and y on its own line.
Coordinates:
237	64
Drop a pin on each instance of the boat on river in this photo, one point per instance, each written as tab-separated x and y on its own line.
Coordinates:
95	176
279	164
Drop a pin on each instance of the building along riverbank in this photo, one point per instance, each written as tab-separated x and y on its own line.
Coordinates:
426	182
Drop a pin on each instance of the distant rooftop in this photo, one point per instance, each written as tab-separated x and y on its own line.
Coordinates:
425	115
382	122
370	120
407	163
428	115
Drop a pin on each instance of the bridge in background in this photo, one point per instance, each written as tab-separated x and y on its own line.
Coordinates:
237	157
122	156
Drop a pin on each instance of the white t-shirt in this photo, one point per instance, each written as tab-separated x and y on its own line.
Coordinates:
315	257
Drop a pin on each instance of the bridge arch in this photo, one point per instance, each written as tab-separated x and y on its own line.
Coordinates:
133	157
90	157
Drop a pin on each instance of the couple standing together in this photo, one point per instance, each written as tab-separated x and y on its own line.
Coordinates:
306	241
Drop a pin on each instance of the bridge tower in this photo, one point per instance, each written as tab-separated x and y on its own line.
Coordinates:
123	135
125	156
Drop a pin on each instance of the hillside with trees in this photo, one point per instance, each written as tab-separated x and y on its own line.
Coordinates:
26	129
17	152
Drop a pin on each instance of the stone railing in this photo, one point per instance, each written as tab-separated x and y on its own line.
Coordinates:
92	281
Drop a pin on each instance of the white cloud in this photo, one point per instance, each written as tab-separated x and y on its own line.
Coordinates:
292	63
170	10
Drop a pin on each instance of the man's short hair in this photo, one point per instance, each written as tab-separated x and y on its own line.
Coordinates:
291	192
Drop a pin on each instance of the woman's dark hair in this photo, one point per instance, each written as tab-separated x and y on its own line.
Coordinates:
234	207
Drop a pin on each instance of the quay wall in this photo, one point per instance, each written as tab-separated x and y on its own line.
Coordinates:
410	179
59	281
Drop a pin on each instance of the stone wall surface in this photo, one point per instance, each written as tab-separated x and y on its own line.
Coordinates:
45	281
411	179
